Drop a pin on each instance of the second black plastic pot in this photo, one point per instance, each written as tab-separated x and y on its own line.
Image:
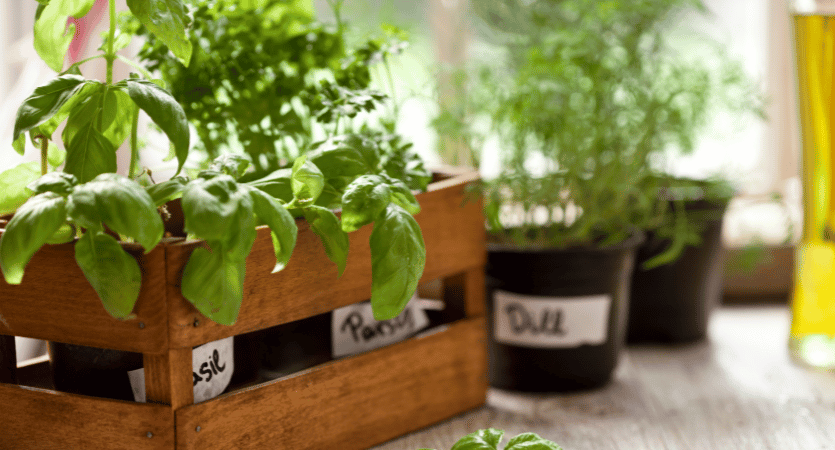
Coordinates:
672	303
557	318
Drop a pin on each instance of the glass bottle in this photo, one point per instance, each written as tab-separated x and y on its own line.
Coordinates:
812	336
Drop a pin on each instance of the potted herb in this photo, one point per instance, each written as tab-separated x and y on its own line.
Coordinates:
491	438
583	101
112	219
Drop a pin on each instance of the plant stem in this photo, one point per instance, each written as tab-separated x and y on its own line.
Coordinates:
44	154
111	55
136	66
134	145
395	106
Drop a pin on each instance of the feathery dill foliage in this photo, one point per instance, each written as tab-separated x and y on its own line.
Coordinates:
585	100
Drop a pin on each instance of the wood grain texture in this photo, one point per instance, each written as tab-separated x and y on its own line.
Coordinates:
453	230
168	378
351	403
737	390
34	419
55	302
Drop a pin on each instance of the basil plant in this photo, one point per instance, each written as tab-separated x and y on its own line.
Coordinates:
87	202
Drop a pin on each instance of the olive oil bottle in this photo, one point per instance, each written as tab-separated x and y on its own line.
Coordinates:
812	337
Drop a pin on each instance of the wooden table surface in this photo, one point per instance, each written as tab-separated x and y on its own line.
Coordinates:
737	390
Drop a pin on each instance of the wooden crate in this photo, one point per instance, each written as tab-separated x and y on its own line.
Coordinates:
349	403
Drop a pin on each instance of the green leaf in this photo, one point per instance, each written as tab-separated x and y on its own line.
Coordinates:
89	153
364	199
530	441
113	273
218	209
52	35
398	256
45	102
19	144
48	127
13	182
165	112
167	20
121	204
117	115
282	226
345	156
29	229
402	195
231	164
214	284
488	439
307	181
162	193
277	184
121	41
325	224
55	155
57	182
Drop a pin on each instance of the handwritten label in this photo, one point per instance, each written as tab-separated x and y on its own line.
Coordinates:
212	368
550	322
354	329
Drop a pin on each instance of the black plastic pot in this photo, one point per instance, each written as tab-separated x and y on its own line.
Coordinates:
672	303
558	281
92	371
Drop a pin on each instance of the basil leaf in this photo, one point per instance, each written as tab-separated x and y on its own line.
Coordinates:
19	144
117	116
398	256
167	20
162	193
402	195
218	209
55	156
530	441
345	156
89	153
364	200
13	182
84	112
33	223
325	224
165	112
52	36
114	274
282	226
480	440
45	102
88	89
231	164
214	284
58	182
121	204
307	181
276	184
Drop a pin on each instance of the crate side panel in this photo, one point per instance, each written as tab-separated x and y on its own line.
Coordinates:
55	302
35	419
353	403
453	231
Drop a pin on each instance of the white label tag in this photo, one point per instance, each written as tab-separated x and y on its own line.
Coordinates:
550	322
354	330
212	367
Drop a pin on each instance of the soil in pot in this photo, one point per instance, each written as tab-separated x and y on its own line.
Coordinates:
672	303
557	318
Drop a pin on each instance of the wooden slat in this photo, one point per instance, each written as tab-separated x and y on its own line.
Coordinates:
352	403
35	419
168	378
55	302
453	230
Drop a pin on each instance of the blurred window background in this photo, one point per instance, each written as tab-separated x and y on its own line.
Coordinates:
761	158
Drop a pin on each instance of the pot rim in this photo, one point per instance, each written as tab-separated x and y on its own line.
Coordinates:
635	239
